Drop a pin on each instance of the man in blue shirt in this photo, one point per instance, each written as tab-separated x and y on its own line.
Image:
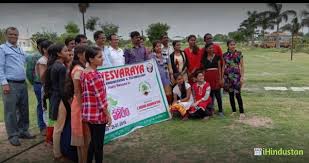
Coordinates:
14	88
100	40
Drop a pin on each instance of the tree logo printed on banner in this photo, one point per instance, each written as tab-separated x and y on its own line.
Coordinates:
144	88
117	112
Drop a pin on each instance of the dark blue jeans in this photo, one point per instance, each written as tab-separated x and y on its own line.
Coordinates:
39	109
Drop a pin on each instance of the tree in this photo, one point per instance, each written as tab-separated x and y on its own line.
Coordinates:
71	27
109	28
265	22
249	25
305	17
2	36
220	38
155	30
278	16
52	36
92	22
294	28
238	36
83	8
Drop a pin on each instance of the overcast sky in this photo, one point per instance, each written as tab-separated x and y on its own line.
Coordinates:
184	19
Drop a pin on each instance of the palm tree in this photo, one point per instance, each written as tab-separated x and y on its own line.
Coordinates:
249	25
294	28
265	22
83	8
278	16
305	17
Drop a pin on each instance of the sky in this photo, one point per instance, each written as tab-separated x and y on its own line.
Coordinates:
183	18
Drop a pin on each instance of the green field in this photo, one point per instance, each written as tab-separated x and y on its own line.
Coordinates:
274	119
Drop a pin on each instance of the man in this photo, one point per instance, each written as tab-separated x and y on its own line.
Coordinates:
116	56
70	43
100	40
166	51
14	88
217	51
138	53
81	40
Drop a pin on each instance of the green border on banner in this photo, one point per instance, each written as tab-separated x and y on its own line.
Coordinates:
142	123
130	128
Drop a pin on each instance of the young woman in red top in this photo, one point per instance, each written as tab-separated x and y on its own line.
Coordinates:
194	56
94	103
201	93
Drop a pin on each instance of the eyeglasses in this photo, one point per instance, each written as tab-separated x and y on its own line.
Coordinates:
208	38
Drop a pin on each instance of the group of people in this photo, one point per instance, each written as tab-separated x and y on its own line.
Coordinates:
66	76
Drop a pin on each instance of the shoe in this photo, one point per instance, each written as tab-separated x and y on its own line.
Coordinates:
233	114
185	118
221	114
43	132
14	141
26	135
242	116
206	118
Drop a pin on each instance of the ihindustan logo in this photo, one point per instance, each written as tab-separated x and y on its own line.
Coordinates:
277	152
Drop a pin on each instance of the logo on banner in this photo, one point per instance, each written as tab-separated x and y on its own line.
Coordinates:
144	88
149	67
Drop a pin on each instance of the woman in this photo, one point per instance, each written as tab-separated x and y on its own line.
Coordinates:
201	93
94	103
163	64
179	61
182	97
234	76
194	56
80	135
54	88
212	67
40	69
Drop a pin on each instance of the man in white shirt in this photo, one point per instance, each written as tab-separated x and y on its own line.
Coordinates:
166	51
116	53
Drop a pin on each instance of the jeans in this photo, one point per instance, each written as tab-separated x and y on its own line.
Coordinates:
39	109
16	109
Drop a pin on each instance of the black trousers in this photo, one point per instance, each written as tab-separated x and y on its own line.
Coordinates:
239	100
97	132
216	93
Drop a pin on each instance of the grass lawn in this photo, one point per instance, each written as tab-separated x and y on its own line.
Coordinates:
274	120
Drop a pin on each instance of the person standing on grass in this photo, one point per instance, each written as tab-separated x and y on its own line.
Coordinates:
202	100
234	76
166	51
179	61
40	68
80	136
33	79
116	53
81	40
194	56
183	98
54	90
14	88
163	63
137	53
212	67
100	39
94	103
